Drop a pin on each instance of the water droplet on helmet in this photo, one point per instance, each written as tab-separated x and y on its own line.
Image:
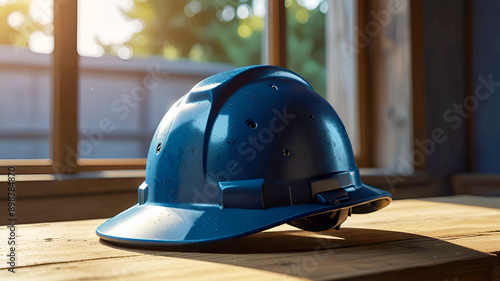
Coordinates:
252	124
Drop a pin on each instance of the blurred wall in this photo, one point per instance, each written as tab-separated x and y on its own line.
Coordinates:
486	85
444	26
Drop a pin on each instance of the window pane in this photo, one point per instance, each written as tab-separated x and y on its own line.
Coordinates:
26	42
390	60
139	57
341	58
306	40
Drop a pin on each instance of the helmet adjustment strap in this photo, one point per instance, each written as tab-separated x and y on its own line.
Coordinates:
329	189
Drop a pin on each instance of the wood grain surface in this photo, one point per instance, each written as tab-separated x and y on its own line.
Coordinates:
443	238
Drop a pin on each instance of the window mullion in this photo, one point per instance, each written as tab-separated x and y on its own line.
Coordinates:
65	87
276	32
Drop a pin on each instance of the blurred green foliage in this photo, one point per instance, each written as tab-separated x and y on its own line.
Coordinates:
197	30
17	32
181	29
306	44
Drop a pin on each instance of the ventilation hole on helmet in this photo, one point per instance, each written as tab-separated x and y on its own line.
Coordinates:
312	116
274	87
286	152
158	148
317	101
252	124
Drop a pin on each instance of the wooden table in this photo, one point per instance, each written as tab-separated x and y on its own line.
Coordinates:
446	238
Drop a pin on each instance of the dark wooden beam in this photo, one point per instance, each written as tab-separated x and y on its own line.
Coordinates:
469	82
365	105
418	77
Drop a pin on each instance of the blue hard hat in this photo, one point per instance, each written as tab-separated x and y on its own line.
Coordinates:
245	150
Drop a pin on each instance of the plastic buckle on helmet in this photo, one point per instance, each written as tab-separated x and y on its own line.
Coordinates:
143	193
245	194
329	189
333	197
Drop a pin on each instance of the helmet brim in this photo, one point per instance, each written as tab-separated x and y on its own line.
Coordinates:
158	224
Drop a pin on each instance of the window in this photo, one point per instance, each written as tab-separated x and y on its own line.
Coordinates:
138	58
135	58
387	34
306	40
341	65
26	44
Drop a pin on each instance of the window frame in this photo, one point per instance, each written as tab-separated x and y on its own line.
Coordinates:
65	58
64	130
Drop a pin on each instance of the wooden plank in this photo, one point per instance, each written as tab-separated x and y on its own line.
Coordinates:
476	184
276	32
39	186
45	166
76	207
85	165
89	195
346	261
65	106
416	185
27	166
410	239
